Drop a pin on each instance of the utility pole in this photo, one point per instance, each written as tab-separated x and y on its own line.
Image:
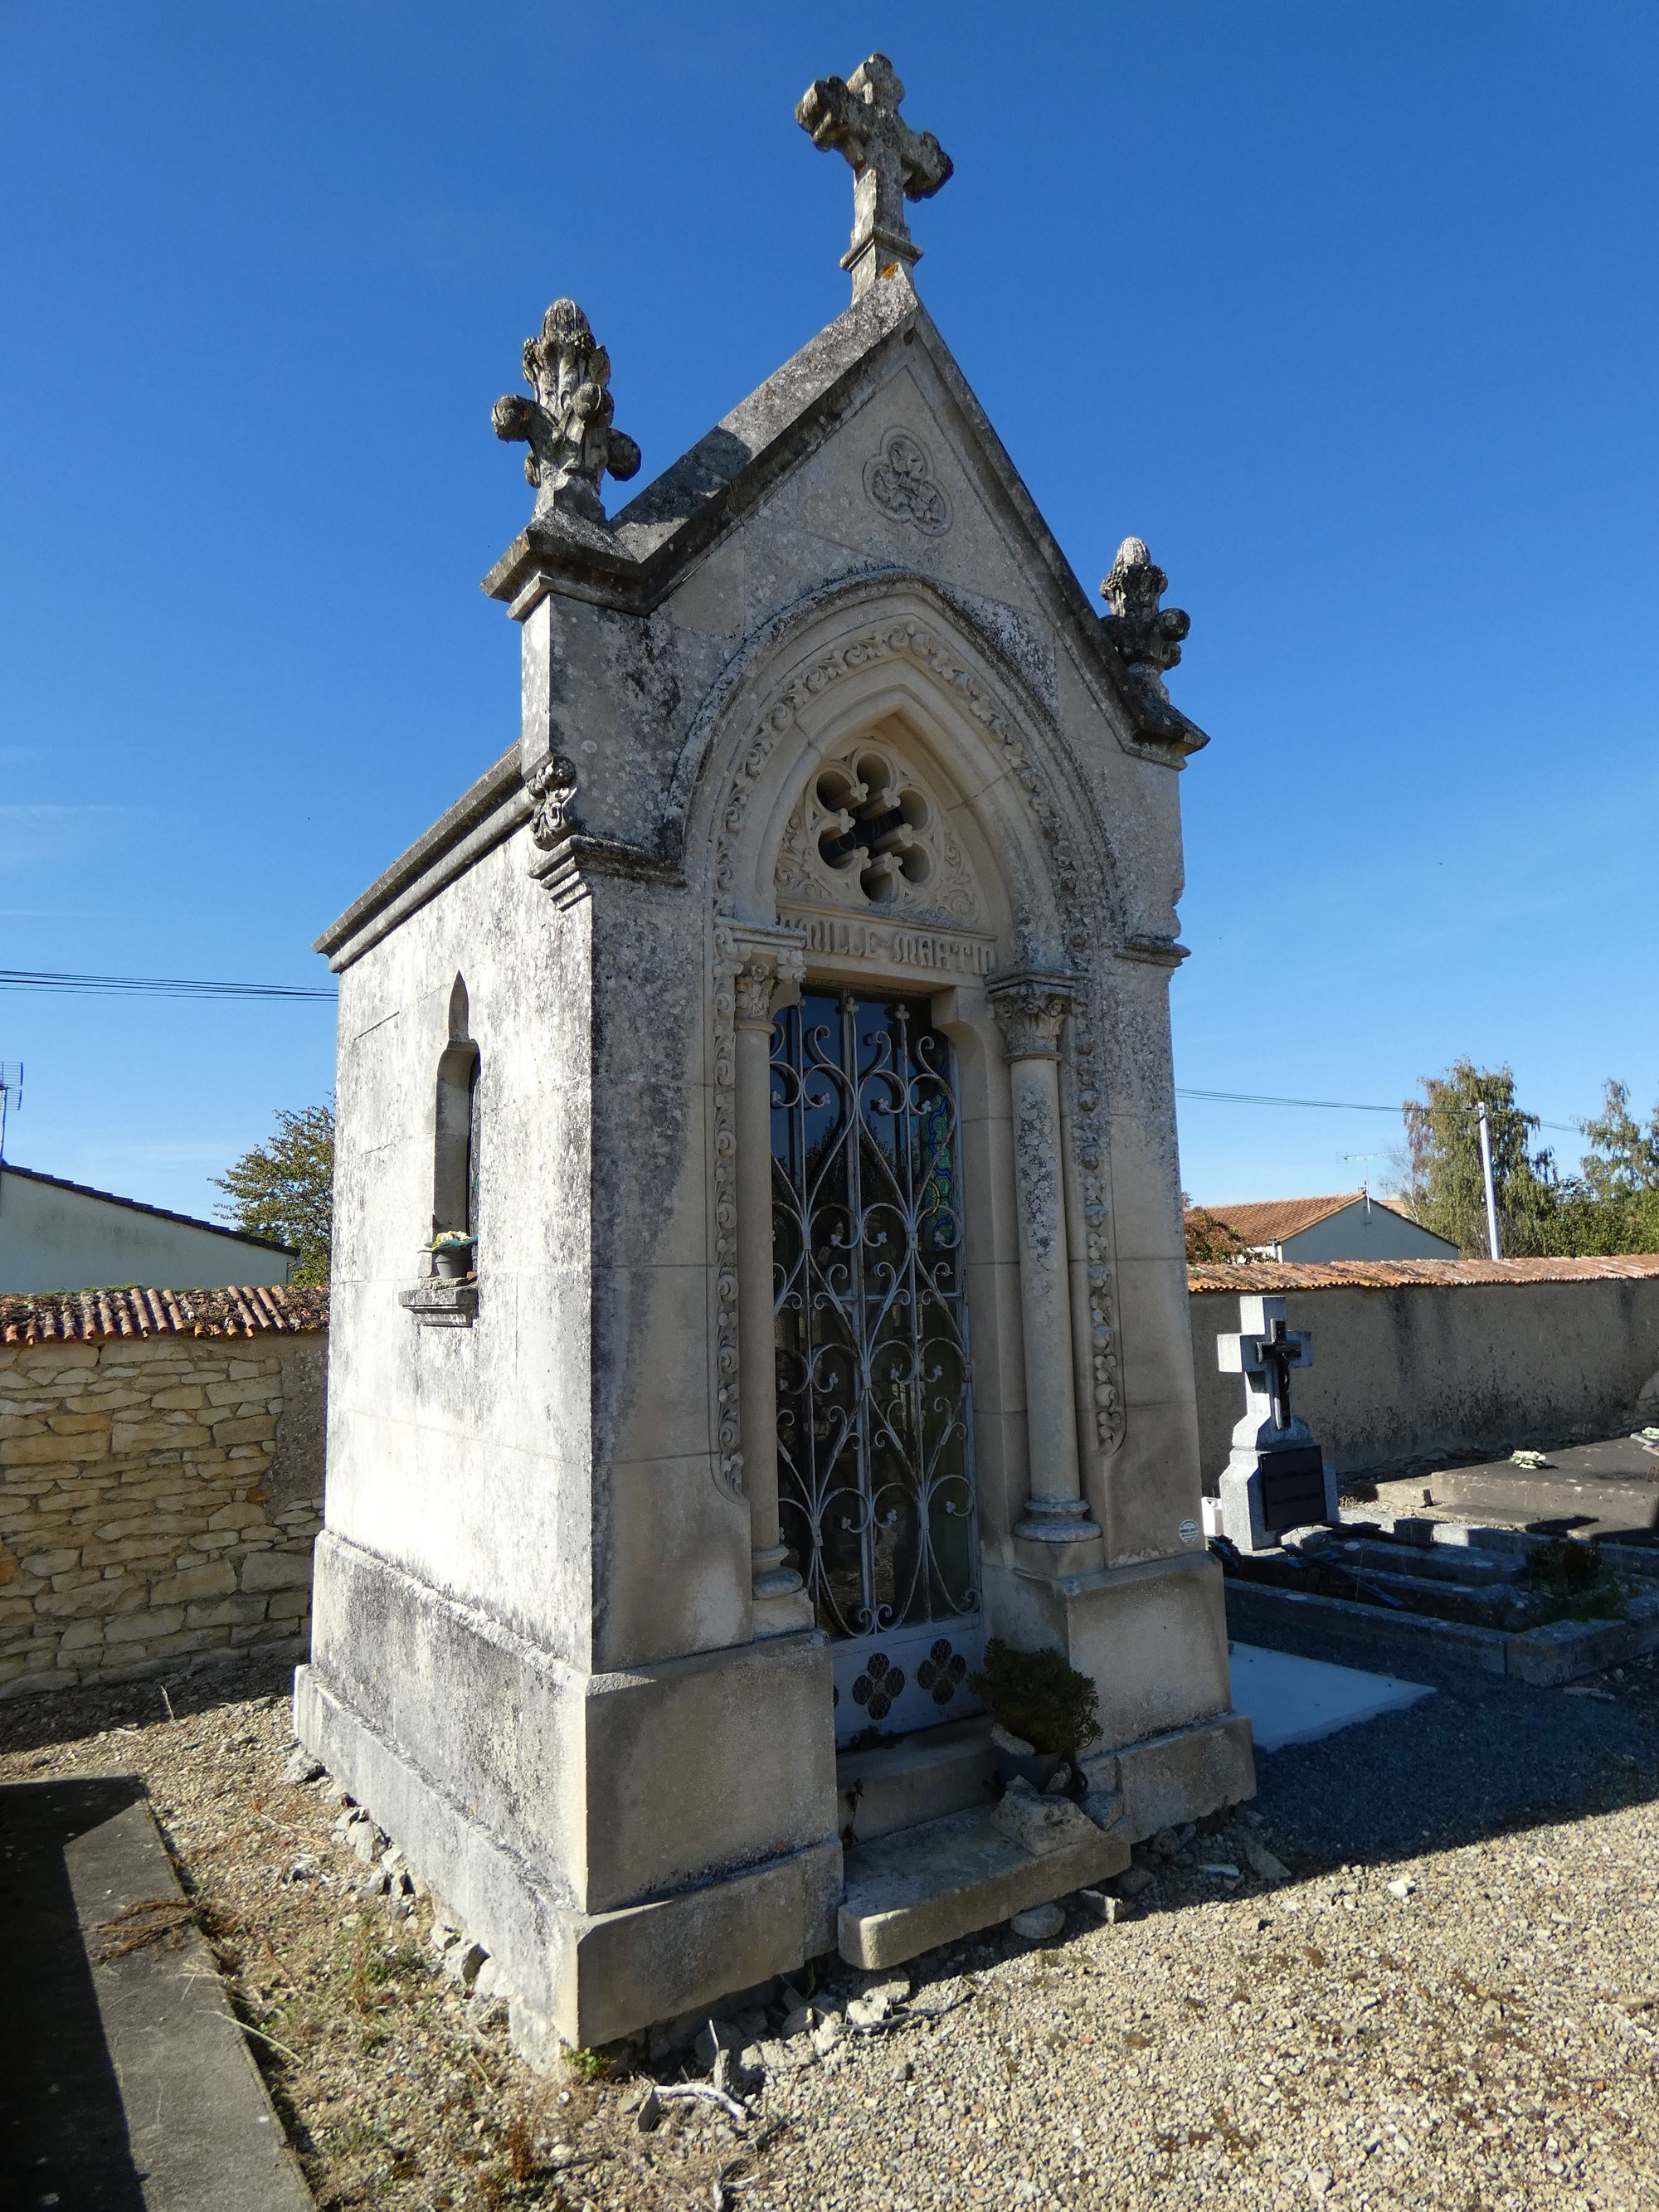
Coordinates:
1484	1127
11	1093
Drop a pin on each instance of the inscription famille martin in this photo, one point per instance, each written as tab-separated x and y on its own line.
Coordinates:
935	952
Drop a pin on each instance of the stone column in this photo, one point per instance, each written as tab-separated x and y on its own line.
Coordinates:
762	968
1030	1012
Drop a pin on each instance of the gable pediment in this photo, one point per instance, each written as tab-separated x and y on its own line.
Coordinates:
867	450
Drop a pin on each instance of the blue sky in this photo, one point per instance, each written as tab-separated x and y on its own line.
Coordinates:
1349	309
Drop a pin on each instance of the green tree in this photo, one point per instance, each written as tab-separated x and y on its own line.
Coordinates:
285	1189
1208	1236
1445	1190
1612	1205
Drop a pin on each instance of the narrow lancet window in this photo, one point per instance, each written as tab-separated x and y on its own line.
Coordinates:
455	1152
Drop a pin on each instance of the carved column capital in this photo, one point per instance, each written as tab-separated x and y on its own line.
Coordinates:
752	987
756	966
1031	1010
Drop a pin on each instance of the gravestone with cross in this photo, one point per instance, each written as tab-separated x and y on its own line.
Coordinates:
1276	1478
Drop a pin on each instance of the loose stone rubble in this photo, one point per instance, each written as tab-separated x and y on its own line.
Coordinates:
1490	2036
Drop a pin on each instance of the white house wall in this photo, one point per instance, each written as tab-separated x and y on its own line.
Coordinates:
1362	1232
53	1239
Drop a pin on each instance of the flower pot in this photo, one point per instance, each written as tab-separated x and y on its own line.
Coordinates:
1039	1768
1020	1761
452	1261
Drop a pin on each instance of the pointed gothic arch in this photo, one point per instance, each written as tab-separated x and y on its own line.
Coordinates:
456	1134
885	818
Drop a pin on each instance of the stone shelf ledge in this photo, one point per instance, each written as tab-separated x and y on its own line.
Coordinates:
441	1303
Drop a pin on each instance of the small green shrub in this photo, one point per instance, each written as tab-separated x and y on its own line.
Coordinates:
1035	1695
1567	1580
1565	1568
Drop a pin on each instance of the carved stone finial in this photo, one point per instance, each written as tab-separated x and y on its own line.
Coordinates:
1148	636
859	117
567	423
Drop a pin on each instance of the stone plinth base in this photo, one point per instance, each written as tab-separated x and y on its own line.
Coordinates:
624	1845
1179	1776
1266	1494
581	1978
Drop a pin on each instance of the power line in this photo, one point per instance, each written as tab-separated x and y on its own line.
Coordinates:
1331	1105
1258	1098
178	986
152	987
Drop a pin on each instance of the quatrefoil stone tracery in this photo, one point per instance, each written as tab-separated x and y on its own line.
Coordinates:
867	833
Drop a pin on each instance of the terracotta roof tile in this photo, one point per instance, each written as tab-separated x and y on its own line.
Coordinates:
94	1317
1271	1220
1252	1278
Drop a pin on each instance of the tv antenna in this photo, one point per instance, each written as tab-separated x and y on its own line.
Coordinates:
1365	1181
11	1093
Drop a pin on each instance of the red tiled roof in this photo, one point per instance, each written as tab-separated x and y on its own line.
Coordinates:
90	1316
1254	1277
1271	1220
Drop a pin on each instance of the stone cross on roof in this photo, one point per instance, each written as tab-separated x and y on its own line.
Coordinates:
859	116
1265	1353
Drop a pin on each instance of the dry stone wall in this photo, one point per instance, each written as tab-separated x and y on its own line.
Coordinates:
158	1502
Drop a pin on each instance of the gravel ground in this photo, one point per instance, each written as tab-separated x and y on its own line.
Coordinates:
1304	2033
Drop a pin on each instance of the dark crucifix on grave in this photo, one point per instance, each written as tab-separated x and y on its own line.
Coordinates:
1276	1478
1276	1353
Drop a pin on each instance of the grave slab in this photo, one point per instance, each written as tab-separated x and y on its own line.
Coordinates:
127	2084
1604	1489
1291	1699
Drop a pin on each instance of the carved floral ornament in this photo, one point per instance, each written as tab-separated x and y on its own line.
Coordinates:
552	784
1078	895
567	420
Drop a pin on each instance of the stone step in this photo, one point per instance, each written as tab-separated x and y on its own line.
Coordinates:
1478	1605
1430	1563
917	1887
900	1785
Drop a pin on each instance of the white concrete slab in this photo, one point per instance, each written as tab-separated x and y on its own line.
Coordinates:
1292	1700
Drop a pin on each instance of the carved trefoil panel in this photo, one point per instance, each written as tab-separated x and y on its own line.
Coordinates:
899	480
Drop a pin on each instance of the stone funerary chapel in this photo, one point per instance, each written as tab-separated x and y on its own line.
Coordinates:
785	1016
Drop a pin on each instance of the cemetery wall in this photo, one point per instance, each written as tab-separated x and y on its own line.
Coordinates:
161	1453
1422	1362
160	1480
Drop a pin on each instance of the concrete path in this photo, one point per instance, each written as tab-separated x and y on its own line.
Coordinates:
125	2084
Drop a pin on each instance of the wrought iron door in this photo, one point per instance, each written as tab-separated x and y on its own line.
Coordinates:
875	1384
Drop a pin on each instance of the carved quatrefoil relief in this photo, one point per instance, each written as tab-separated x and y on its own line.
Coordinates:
867	833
